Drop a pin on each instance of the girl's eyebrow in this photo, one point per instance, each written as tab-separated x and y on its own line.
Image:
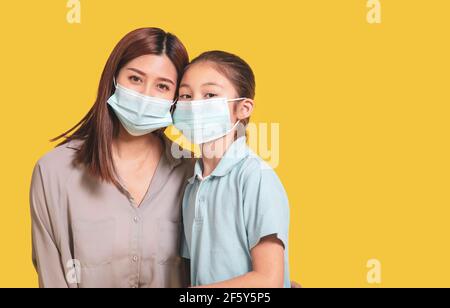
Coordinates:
185	85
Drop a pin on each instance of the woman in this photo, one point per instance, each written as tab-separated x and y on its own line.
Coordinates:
105	203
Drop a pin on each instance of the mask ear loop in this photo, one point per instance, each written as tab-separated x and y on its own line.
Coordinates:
114	82
237	100
238	121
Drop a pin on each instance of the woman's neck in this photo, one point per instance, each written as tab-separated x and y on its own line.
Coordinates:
213	152
131	148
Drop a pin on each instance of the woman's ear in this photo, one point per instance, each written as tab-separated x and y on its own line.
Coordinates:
245	109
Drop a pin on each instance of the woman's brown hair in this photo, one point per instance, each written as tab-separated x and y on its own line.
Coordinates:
100	125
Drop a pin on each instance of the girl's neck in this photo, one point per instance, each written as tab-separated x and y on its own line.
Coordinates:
213	152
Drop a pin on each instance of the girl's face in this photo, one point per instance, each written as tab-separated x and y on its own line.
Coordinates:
150	75
202	81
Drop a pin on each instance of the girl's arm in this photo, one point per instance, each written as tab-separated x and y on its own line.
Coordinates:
268	267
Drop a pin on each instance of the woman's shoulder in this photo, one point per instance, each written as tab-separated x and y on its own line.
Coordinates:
180	157
186	163
60	160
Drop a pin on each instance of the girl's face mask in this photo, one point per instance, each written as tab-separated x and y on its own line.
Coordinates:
202	121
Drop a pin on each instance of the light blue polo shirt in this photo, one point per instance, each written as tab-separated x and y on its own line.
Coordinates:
227	213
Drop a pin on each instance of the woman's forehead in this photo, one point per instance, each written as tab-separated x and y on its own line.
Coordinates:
151	65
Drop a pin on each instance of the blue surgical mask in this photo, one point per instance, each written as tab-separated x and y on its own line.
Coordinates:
138	113
203	121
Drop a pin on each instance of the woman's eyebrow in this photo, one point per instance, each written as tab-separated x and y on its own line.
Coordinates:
212	84
136	71
166	80
184	85
145	75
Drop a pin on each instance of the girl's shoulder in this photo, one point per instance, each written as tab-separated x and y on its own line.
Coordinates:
260	183
254	169
255	164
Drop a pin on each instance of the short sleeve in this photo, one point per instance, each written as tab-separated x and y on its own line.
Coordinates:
266	206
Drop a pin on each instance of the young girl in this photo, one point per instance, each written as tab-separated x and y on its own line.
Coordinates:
235	209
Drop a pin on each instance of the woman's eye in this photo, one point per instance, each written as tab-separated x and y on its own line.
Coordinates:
163	87
210	95
135	79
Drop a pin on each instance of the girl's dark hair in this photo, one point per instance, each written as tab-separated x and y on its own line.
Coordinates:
234	69
100	125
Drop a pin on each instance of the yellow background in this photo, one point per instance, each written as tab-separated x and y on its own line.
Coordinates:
363	112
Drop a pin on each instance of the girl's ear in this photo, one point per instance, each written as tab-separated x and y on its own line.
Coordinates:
245	109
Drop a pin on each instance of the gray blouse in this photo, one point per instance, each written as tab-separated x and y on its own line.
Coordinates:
88	233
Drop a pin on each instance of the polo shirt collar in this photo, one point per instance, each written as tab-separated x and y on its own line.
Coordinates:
235	154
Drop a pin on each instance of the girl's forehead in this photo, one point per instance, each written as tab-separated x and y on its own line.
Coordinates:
204	73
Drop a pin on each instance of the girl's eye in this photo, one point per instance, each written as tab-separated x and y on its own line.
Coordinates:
210	95
135	79
184	96
163	87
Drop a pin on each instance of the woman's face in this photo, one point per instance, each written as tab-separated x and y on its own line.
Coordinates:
150	75
202	81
